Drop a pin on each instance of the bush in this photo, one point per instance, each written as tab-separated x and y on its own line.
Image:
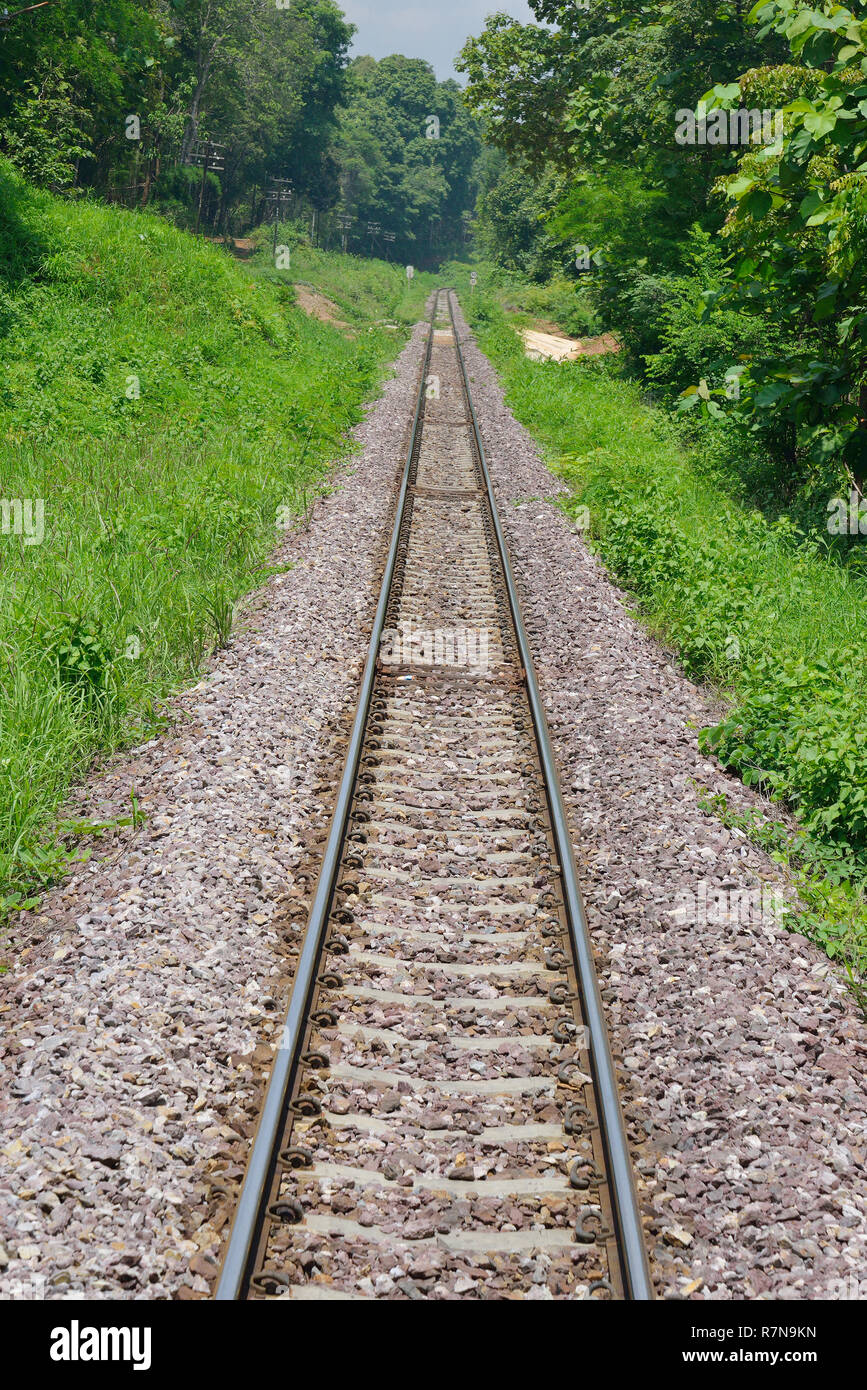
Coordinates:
754	606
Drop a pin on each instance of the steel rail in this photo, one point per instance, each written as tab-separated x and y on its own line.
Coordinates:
236	1269
248	1217
633	1254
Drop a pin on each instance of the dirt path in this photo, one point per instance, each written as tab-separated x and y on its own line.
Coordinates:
554	346
319	307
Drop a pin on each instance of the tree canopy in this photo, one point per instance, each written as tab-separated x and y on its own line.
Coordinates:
122	97
713	157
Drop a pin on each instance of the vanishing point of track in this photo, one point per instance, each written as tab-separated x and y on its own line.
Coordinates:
442	1117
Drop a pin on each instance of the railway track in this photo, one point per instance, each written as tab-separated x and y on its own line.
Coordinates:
442	1117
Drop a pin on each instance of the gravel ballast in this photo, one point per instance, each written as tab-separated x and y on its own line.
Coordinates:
138	1017
743	1053
146	991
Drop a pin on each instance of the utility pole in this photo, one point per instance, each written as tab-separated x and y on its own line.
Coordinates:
345	222
209	156
389	238
374	228
280	197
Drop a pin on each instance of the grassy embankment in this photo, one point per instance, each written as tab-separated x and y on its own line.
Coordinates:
164	403
749	606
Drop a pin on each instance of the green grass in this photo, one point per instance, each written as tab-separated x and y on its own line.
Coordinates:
172	409
369	293
561	302
752	607
365	290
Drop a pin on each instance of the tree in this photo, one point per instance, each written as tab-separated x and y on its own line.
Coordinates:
511	216
406	154
597	99
71	74
798	220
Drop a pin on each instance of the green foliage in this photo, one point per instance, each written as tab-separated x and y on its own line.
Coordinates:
367	291
832	891
44	135
564	303
797	730
77	654
561	303
596	99
510	218
696	346
524	117
798	228
160	506
764	326
264	81
392	174
117	97
71	72
753	607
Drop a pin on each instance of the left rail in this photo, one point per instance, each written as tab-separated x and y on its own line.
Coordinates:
250	1213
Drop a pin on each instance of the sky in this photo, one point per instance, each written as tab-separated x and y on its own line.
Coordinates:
431	29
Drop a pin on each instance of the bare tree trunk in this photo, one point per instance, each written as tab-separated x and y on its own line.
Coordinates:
192	128
151	176
203	72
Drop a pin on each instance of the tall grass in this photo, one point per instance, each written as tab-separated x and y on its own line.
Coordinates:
172	410
366	291
760	611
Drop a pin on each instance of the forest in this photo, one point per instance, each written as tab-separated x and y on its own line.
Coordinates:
200	109
730	264
617	147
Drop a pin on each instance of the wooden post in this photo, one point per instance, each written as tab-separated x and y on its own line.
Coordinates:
202	188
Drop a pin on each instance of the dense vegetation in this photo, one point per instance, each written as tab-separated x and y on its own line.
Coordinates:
405	175
732	272
119	96
697	170
169	410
